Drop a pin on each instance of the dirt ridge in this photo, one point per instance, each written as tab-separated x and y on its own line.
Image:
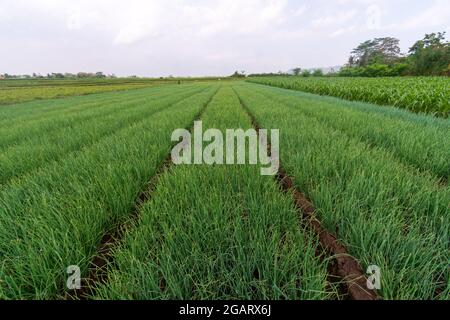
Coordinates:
98	268
343	266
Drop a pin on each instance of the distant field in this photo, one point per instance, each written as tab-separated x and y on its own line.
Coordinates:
22	90
78	170
418	94
15	91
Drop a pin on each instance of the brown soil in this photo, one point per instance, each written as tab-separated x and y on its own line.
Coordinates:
344	266
104	258
344	270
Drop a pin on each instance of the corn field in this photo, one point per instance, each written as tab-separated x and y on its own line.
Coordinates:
419	94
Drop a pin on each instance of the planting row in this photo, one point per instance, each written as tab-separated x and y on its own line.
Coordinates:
217	232
421	141
16	91
44	122
55	217
418	94
387	214
54	143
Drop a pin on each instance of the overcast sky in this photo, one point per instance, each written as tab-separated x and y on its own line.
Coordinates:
202	37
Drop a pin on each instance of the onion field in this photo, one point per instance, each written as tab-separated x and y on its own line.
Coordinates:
18	90
88	181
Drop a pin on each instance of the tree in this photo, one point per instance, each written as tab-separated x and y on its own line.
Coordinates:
351	61
318	73
236	74
360	55
306	73
431	55
84	75
388	50
352	72
377	70
379	50
296	71
99	74
399	69
447	71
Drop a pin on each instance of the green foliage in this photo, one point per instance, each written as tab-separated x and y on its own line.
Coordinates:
317	73
236	74
296	71
381	57
418	94
376	70
22	90
430	56
306	73
31	142
351	159
218	232
399	69
71	169
54	216
376	51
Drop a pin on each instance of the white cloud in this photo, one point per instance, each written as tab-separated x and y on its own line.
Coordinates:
362	2
138	21
133	33
437	14
334	19
373	21
74	21
299	11
135	20
196	37
235	16
342	31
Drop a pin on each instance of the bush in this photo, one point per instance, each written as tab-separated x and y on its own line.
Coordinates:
318	73
377	70
306	73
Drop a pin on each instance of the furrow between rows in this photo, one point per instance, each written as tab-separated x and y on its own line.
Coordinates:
217	231
56	217
39	129
22	159
98	269
345	268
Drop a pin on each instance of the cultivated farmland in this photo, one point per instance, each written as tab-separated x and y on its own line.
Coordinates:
21	90
88	181
418	94
386	207
17	90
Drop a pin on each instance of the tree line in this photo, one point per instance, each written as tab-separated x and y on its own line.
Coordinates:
57	75
382	57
